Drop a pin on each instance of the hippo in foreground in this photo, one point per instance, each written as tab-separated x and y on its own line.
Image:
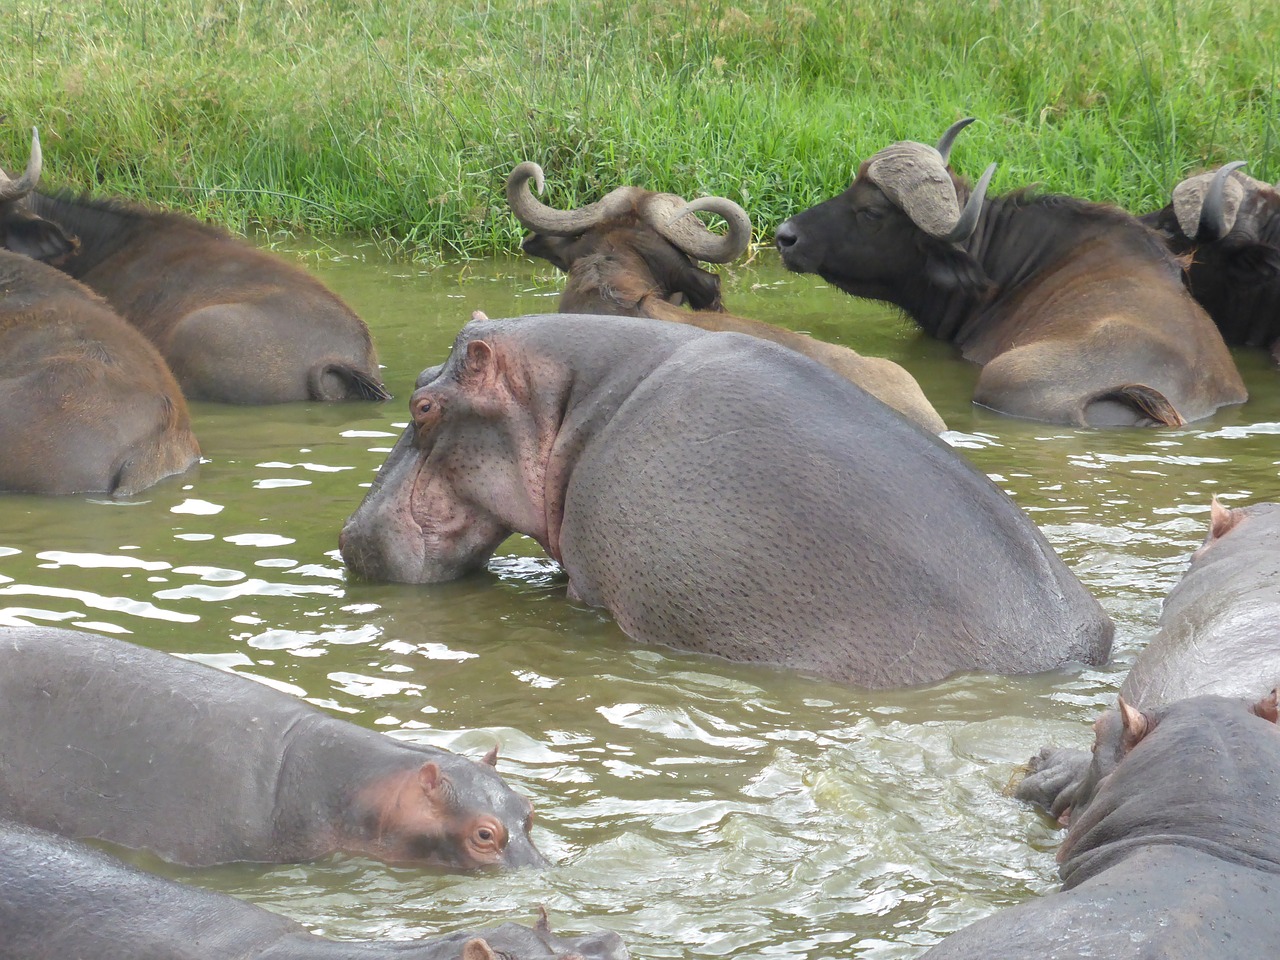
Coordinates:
87	405
235	323
103	739
60	899
633	254
1219	633
1075	311
1177	855
720	494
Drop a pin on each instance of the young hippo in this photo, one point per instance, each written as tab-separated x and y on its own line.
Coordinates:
1217	635
1176	855
719	493
60	899
100	738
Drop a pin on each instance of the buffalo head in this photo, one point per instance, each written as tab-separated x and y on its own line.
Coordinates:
899	223
21	231
630	244
1228	224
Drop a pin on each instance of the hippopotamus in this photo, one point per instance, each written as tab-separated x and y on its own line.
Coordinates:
87	405
1176	856
1216	635
100	738
633	253
719	493
60	899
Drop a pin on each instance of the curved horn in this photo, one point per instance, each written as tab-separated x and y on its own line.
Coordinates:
538	217
699	242
949	138
16	189
968	221
1213	221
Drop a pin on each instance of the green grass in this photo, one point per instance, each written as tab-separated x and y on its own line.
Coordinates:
400	119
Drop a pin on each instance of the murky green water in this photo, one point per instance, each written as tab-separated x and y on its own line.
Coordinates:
699	808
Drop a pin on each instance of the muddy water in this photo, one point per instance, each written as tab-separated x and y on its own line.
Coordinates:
699	808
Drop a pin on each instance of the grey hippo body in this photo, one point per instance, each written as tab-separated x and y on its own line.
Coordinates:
1219	633
103	739
1176	857
721	494
61	900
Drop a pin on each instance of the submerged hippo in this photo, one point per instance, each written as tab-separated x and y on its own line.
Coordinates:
1177	856
1219	633
722	494
100	738
60	900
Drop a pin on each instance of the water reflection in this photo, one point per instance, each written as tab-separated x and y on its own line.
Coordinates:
699	807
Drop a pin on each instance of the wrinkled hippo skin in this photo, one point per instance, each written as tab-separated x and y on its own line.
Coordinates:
720	494
1175	857
101	738
1217	634
60	900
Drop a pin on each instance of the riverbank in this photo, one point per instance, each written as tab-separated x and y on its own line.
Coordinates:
400	119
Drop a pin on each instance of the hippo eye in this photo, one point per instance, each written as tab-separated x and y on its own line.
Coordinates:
485	834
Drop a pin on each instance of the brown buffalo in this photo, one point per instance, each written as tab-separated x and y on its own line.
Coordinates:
87	405
235	323
1228	225
634	253
1075	310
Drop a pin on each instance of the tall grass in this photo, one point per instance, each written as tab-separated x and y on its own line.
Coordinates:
400	118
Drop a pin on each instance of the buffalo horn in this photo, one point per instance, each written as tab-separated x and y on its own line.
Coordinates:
16	189
949	138
699	242
540	218
968	221
1213	221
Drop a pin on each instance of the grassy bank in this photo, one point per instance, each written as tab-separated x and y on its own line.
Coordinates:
400	118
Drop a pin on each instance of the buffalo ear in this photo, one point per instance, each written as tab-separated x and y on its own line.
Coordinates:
478	949
954	270
38	239
554	250
1268	708
1136	726
1251	262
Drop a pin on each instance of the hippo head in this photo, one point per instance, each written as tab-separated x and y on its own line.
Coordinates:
448	811
21	230
900	223
631	244
452	488
515	941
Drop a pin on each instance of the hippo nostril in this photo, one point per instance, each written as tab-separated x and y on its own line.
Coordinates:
785	236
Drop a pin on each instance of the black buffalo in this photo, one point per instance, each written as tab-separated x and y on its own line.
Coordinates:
1075	310
1228	226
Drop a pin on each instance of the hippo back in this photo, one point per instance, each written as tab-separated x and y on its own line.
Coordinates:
747	502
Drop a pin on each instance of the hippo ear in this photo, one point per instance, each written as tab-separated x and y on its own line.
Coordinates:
478	949
1268	708
430	777
480	361
1136	726
1221	520
491	758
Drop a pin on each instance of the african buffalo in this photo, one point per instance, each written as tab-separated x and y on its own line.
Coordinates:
1229	225
235	323
87	405
634	253
1075	310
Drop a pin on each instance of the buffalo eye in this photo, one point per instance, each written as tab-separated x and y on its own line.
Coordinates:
871	215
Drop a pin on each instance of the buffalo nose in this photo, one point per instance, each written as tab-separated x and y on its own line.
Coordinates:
786	235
